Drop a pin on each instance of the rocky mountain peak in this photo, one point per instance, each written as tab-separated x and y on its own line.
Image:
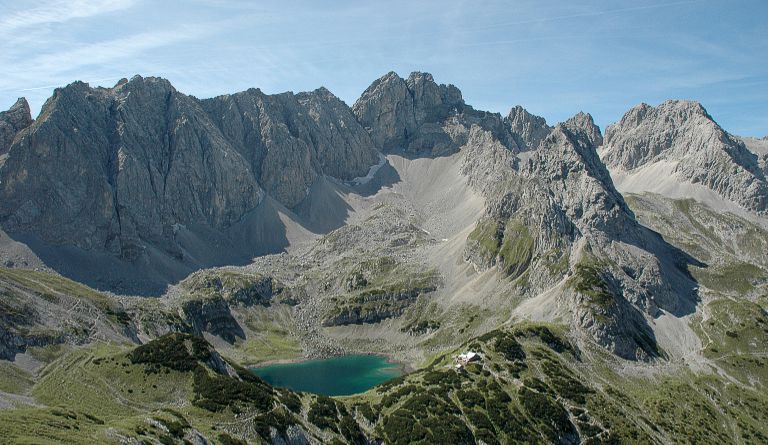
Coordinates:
17	118
139	83
435	101
583	122
682	137
570	151
163	177
406	114
19	113
527	129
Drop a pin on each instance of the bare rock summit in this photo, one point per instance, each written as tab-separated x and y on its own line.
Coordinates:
679	139
14	120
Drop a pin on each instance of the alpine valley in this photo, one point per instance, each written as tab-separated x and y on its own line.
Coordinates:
614	284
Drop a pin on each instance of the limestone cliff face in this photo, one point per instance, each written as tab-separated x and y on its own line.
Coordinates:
683	137
12	122
528	129
122	170
104	168
554	220
288	139
417	116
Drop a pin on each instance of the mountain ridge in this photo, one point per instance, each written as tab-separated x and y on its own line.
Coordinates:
680	138
288	226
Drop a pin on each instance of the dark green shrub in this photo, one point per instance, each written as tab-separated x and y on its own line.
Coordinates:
226	439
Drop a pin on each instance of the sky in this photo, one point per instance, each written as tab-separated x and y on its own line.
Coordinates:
555	58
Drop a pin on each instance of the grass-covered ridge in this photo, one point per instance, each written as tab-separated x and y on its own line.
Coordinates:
732	248
508	243
589	279
531	386
377	289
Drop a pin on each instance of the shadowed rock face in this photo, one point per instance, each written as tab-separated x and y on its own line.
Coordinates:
105	168
682	134
396	110
12	122
418	117
288	140
127	170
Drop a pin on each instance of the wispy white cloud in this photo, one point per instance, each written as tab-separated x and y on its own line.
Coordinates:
556	57
60	11
581	15
107	51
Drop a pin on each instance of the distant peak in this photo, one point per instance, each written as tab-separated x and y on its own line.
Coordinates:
418	76
391	75
325	93
583	123
17	118
21	105
519	113
388	78
582	116
673	108
527	129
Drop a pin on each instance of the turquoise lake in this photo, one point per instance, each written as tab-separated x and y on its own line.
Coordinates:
337	376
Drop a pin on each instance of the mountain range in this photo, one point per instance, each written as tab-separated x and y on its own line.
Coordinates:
137	220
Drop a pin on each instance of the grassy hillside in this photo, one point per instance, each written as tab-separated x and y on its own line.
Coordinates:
531	386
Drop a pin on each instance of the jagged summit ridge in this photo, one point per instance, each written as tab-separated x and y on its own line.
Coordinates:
160	174
529	129
420	117
17	118
400	113
291	139
681	138
583	122
558	204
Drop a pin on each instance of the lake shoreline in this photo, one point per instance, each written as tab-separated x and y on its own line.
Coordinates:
340	375
406	368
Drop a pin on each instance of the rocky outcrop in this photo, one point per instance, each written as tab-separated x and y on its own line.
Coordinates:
290	139
583	122
528	130
235	288
142	172
112	168
14	120
14	342
373	306
212	315
682	138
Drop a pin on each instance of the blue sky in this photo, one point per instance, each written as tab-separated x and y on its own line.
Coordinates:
553	57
